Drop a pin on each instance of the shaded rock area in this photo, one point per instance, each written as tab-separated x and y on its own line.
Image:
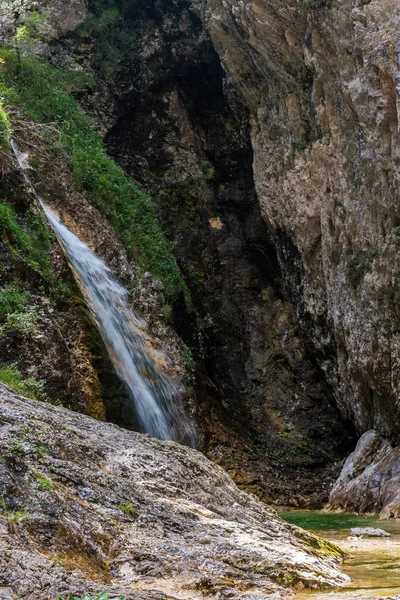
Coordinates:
181	130
88	506
321	82
370	479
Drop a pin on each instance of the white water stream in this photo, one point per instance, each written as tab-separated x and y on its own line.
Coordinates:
156	398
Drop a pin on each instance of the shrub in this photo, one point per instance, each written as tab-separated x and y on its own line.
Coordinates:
25	321
186	355
113	35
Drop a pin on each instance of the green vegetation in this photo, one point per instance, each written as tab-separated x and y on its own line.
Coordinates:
17	450
11	515
5	129
208	173
167	312
115	40
30	242
31	388
187	356
102	596
358	264
128	508
43	93
24	321
46	485
12	299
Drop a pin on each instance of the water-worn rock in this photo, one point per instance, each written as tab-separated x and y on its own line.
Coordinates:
369	532
370	478
104	508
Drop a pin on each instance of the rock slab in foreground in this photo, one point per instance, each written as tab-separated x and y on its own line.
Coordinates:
369	532
119	511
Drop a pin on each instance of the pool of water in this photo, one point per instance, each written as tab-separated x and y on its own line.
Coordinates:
373	564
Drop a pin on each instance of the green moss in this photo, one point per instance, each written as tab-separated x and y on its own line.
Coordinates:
43	93
31	388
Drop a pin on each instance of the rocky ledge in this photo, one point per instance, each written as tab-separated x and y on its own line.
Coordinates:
87	506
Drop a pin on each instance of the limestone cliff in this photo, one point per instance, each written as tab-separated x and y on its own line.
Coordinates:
321	82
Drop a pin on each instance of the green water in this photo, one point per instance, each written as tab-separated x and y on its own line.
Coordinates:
373	564
321	521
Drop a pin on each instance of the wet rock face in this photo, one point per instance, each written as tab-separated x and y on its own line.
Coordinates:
321	83
89	506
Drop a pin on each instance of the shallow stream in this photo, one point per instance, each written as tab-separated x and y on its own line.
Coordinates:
373	564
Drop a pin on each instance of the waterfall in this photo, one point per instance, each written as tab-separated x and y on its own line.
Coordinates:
156	398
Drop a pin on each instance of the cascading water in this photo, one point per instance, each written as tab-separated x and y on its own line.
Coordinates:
156	398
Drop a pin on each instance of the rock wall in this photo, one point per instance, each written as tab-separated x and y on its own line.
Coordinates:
180	128
321	81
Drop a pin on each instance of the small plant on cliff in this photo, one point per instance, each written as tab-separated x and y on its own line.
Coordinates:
24	322
5	129
187	356
46	485
128	508
12	299
11	514
358	264
30	387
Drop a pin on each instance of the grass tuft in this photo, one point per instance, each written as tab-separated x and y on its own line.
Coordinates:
30	387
